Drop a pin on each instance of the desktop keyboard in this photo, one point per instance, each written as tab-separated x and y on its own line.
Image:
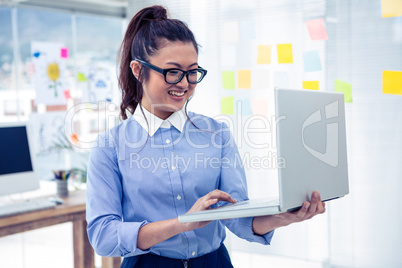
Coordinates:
26	206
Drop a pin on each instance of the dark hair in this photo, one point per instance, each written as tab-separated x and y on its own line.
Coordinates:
148	31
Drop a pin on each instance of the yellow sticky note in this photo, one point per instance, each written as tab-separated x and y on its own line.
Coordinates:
310	85
244	79
391	8
392	82
345	88
228	79
285	54
227	105
264	54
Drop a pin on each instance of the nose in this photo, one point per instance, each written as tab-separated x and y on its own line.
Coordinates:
183	82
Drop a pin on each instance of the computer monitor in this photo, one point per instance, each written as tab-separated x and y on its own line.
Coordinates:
17	159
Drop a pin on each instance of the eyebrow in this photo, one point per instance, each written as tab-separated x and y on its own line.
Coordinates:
179	66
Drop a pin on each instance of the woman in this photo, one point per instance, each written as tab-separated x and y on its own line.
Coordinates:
162	162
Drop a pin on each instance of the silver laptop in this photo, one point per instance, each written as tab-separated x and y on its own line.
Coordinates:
311	142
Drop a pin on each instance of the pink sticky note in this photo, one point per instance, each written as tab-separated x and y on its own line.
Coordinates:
67	94
316	29
260	107
64	52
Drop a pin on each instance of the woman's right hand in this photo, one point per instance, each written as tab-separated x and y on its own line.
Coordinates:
204	203
155	232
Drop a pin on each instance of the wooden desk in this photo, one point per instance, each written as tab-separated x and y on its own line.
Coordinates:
73	210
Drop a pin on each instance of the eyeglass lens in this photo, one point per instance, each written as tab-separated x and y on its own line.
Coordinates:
174	76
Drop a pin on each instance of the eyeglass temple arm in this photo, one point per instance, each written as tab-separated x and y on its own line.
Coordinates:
150	66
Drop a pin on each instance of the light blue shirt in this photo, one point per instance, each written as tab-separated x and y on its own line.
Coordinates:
148	169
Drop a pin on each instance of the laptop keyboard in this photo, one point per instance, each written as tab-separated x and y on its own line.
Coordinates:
258	202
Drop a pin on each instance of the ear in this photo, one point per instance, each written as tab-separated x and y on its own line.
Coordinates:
135	68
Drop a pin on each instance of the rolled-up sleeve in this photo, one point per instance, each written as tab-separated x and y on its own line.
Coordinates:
233	181
108	234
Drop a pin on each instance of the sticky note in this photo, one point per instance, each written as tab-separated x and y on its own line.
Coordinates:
281	80
264	54
228	56
231	31
243	107
392	82
228	79
391	8
227	105
244	79
261	79
311	60
247	29
316	29
260	107
245	56
81	77
67	94
64	53
345	88
284	53
310	85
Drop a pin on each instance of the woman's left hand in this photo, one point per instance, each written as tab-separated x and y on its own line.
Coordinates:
264	224
309	209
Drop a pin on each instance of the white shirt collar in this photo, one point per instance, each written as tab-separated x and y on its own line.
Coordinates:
152	123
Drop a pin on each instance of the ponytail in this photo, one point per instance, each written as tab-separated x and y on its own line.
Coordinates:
146	33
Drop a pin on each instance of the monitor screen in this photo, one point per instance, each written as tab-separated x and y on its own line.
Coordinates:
14	151
17	163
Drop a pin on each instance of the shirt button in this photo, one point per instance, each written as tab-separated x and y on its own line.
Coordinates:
165	124
178	197
167	141
193	253
173	167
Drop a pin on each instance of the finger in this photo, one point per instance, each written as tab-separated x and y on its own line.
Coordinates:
315	199
222	196
317	196
301	213
218	193
321	207
207	204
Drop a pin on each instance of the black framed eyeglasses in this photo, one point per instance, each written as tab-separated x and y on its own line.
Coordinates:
175	75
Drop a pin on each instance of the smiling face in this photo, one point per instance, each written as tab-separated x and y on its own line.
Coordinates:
159	97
